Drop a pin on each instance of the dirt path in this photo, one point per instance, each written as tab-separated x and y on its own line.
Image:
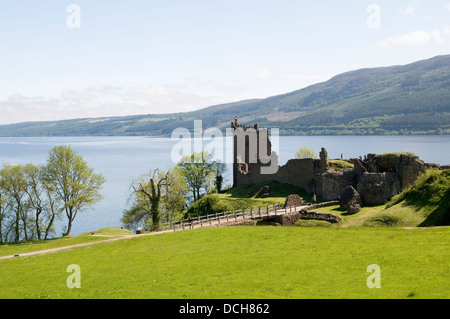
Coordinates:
51	250
210	223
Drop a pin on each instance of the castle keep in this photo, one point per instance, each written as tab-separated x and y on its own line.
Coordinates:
376	177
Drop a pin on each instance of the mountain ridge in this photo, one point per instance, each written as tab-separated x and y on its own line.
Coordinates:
402	99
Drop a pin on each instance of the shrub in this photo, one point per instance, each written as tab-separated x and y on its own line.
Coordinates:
209	204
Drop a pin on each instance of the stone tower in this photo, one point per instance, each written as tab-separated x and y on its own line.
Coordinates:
248	141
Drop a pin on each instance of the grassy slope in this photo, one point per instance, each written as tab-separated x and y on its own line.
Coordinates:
244	262
99	235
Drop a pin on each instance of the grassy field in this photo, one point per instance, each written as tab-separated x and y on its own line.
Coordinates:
99	235
243	262
320	261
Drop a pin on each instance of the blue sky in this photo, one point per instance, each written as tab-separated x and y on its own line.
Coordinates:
141	57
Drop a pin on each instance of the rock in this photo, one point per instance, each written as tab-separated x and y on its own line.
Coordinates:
353	208
293	200
349	196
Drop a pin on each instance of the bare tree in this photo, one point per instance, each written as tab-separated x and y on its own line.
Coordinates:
155	196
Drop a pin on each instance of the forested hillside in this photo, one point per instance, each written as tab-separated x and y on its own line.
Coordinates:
408	99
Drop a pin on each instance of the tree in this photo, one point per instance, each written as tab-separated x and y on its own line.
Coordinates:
306	152
173	196
219	170
40	199
14	189
197	170
158	195
74	183
3	213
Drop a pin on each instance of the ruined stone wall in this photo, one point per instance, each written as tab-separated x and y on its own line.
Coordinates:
333	182
378	188
303	173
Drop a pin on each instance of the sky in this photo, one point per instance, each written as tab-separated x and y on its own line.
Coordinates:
83	58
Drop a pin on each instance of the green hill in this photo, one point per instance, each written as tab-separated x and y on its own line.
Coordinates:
405	99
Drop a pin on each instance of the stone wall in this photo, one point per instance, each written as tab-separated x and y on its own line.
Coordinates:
290	219
378	188
333	182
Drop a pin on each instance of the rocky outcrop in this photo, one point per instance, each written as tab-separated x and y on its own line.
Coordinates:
353	208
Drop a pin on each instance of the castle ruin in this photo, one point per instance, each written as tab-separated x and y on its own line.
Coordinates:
376	177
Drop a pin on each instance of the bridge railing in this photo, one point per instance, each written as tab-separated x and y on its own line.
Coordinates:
205	220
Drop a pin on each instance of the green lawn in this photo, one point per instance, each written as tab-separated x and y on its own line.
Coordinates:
99	235
243	262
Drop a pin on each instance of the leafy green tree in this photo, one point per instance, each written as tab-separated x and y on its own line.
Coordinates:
197	170
75	184
306	152
40	199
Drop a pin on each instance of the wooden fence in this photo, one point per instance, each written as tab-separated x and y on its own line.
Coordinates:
218	218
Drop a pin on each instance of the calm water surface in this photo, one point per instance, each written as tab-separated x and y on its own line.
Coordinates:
120	159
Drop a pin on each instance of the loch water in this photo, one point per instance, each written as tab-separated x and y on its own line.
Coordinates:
121	159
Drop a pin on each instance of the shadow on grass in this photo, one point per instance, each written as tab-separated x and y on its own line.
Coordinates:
275	189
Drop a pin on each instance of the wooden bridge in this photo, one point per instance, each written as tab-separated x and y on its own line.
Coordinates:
233	217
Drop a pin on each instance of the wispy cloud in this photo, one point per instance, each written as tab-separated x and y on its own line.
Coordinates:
101	100
410	10
416	38
414	10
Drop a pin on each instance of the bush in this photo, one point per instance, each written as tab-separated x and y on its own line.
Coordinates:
430	188
209	204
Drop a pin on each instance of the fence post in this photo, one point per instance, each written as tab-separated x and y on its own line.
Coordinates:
267	208
251	212
243	213
259	211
